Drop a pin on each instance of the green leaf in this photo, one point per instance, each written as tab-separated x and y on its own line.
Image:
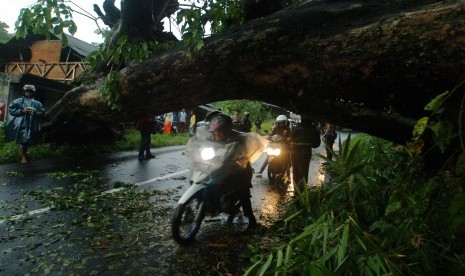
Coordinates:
289	218
279	260
287	256
393	207
329	255
341	254
361	242
266	265
420	127
248	271
314	269
436	103
57	29
345	146
373	264
444	132
325	238
72	29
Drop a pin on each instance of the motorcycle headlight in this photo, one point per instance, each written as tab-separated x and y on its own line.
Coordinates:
207	153
273	152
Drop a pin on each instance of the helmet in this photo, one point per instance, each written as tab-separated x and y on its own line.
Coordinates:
281	118
212	114
222	122
29	87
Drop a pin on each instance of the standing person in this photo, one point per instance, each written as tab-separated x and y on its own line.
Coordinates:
174	117
303	139
258	124
168	123
146	127
192	123
2	111
183	120
236	118
237	121
246	123
329	136
26	112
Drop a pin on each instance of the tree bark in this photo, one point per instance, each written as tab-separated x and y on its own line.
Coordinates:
368	65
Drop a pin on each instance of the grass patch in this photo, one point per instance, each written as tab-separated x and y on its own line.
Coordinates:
9	150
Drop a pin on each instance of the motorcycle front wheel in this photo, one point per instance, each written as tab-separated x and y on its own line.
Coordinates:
187	220
273	173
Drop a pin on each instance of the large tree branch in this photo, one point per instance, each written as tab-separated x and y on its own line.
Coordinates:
112	13
368	65
380	55
141	19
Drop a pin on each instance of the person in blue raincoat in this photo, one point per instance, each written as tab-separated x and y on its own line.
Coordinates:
26	113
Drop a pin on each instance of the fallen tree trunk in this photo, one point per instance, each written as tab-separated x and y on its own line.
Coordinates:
353	62
368	65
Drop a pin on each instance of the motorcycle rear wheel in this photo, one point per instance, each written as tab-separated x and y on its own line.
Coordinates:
187	220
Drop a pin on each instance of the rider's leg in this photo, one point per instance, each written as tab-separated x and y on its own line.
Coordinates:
265	163
248	212
211	194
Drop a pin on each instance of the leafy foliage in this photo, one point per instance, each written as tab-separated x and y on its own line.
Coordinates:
124	52
195	21
217	16
119	56
255	108
382	212
4	35
45	16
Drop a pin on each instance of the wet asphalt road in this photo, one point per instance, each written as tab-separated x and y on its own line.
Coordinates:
168	170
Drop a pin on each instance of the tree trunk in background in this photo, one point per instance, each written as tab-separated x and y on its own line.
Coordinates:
370	66
138	19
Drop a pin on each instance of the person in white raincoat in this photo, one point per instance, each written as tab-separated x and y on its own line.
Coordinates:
232	172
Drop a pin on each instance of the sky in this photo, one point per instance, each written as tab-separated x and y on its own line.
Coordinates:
9	12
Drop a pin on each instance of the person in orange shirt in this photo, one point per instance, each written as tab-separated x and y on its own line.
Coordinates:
168	123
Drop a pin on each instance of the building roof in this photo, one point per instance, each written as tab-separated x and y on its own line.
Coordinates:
80	46
21	46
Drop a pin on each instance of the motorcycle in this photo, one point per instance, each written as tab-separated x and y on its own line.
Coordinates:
213	164
277	163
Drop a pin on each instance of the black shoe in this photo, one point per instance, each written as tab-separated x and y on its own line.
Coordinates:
141	157
149	156
252	224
